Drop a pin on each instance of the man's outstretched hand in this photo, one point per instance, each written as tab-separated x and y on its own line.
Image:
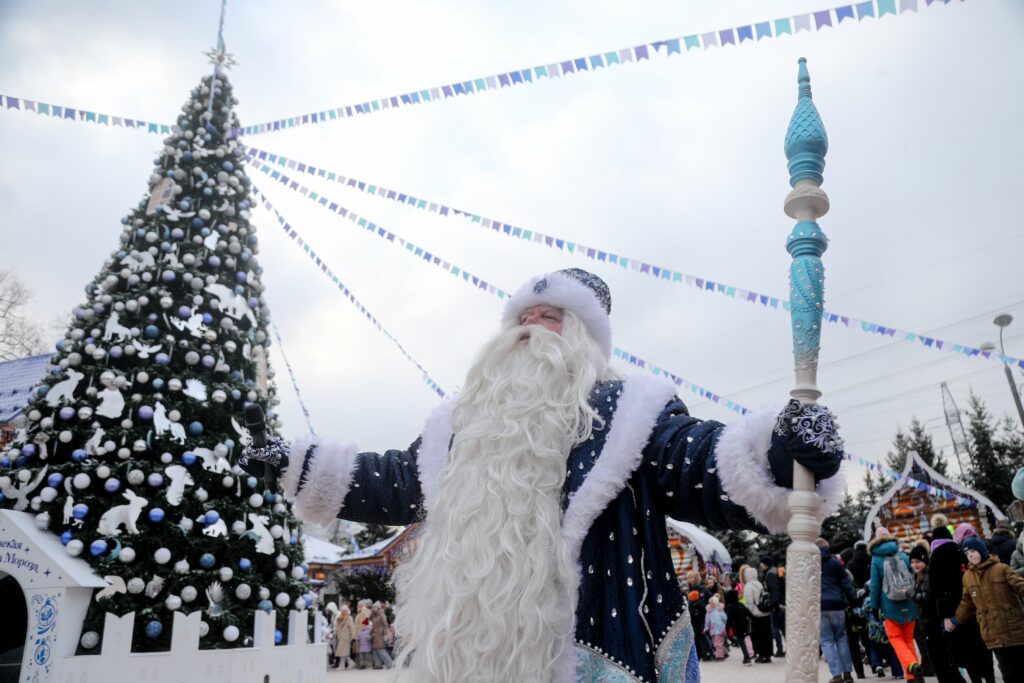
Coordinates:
807	434
274	454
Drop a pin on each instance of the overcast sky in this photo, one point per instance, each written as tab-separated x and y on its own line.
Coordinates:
677	161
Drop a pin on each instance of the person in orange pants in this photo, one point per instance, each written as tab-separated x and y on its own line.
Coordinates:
891	584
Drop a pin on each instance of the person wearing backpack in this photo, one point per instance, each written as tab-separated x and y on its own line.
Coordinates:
891	583
836	594
993	595
757	598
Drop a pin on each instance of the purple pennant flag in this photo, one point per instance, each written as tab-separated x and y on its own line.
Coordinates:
70	113
567	68
554	70
908	5
709	39
12	102
803	22
447	90
641	52
727	36
823	18
625	55
503	80
29	105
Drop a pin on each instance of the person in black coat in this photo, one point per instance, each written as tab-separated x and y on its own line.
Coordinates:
1002	543
929	633
738	622
775	585
946	579
860	563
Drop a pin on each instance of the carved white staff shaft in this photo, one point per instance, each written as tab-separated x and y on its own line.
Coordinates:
806	145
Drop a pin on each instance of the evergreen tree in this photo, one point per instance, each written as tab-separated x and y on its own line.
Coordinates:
374	533
359	585
988	472
917	439
127	454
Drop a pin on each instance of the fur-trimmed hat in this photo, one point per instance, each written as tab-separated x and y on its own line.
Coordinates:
572	289
882	532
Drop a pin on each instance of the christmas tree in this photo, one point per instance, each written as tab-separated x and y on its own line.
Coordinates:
128	448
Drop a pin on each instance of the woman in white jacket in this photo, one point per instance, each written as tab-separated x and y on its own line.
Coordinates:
761	623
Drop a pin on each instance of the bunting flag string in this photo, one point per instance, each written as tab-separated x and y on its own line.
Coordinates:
62	112
293	234
631	359
291	374
256	156
753	32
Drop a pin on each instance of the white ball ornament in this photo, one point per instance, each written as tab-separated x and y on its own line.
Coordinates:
238	528
46	423
181	567
282	600
230	346
48	494
281	561
201	494
255	500
34	415
189	593
174	416
204	629
174	384
243	591
142	377
172	602
102	471
280	575
264	593
166	458
162	556
226	574
90	639
43	520
219	396
81	480
298	572
231	634
139	446
75	547
136	477
109	445
65	436
191	357
127	555
186	524
279	508
300	603
106	377
25	475
277	531
36	503
84	413
143	300
220	450
228	481
124	453
135	585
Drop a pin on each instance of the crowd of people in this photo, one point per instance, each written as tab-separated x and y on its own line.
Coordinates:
365	640
949	606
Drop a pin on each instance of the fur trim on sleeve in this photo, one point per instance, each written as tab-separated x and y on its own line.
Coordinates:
741	455
433	452
328	478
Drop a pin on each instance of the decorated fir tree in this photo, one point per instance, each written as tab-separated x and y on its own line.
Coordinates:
128	449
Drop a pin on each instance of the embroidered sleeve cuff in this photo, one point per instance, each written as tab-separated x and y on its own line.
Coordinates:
741	455
318	477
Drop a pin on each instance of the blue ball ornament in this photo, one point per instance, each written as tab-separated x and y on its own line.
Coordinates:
213	261
116	352
154	629
141	232
211	516
151	332
145	413
60	345
207	191
178	233
184	312
195	428
235	393
161	359
207	560
98	547
80	511
183	204
112	485
245	563
158	384
244	204
188	457
208	361
197	222
78	455
292	540
186	156
29	450
309	600
151	317
278	636
165	247
168	276
229	444
67	413
90	340
55	480
156	515
207	318
265	605
20	462
134	280
65	537
5	462
228	166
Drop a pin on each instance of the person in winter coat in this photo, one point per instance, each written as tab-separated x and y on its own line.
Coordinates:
946	568
773	582
836	593
365	639
1017	558
992	594
717	624
380	634
1002	543
760	622
697	604
860	564
929	626
899	615
738	621
344	633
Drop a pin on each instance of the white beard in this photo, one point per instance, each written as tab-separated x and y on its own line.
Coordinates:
488	595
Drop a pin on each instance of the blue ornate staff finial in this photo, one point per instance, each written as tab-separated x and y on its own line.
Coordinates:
806	145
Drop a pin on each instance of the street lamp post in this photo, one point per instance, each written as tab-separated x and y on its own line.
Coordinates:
1003	321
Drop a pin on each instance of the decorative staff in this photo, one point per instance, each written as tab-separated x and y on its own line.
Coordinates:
806	145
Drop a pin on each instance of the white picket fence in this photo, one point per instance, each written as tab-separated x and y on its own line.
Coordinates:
300	661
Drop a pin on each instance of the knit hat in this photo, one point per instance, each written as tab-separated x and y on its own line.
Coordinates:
975	543
882	532
767	561
941	532
964	531
572	289
918	552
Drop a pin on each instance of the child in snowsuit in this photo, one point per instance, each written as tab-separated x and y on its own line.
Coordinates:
738	621
365	645
716	625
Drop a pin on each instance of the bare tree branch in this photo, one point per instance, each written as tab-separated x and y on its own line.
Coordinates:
20	334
